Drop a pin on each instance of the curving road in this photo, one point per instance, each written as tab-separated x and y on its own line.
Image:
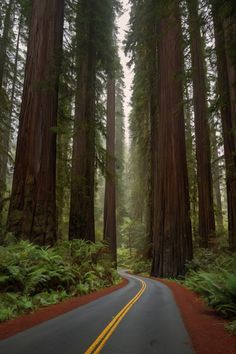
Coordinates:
141	318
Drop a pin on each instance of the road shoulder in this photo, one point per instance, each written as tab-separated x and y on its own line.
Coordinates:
22	323
205	327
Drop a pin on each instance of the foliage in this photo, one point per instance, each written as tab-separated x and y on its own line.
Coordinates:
214	277
31	276
133	261
231	327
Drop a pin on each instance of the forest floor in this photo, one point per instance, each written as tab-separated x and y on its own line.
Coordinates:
205	327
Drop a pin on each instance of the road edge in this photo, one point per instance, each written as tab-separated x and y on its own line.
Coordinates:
206	329
43	314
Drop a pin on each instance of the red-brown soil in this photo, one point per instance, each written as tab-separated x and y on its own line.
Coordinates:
19	324
205	327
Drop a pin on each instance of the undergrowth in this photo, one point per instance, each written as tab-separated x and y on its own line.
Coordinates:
214	278
134	262
32	277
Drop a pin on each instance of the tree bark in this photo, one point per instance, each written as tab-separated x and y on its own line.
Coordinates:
216	180
4	124
172	226
32	213
202	132
4	40
110	183
228	122
153	143
81	224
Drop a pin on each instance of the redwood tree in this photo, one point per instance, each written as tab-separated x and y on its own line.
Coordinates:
81	223
4	103
32	212
202	133
226	72
110	183
171	224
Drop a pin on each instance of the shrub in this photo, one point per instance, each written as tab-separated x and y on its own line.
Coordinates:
133	262
213	276
32	276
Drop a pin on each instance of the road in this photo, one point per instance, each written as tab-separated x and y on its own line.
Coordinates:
141	318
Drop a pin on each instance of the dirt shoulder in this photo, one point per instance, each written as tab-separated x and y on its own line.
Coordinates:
19	324
205	327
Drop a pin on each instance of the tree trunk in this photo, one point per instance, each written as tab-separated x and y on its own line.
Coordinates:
153	143
32	213
202	132
110	183
4	123
172	226
191	164
4	40
227	124
216	180
81	223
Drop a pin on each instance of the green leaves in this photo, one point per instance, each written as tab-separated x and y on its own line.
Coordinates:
31	276
214	278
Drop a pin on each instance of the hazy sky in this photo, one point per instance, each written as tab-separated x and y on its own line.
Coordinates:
128	75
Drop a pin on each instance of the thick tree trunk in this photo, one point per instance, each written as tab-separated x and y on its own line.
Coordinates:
110	183
172	226
202	132
228	124
81	223
32	213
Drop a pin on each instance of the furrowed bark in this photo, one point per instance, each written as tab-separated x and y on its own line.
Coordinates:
228	121
172	226
110	183
81	223
32	212
202	132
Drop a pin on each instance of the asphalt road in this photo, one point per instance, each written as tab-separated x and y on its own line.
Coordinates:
140	318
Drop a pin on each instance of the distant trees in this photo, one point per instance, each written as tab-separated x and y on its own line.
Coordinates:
202	131
83	158
110	183
224	17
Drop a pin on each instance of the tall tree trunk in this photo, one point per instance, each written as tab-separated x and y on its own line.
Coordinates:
216	180
172	226
110	183
4	40
7	131
202	132
153	143
4	124
191	164
81	223
228	120
229	27
32	213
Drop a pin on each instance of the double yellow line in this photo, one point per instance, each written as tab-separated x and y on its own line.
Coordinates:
101	340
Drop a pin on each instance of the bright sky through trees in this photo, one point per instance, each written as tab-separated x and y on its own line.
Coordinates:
128	72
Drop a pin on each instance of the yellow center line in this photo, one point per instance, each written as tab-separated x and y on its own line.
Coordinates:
101	340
